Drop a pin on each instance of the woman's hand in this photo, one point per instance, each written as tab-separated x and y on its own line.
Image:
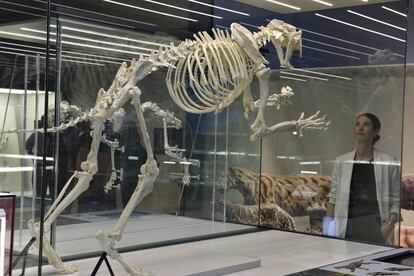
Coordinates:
386	230
330	212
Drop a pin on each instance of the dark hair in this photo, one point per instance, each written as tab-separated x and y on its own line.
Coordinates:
376	123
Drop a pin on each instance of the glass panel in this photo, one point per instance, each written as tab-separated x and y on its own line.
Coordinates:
352	63
212	178
407	206
22	96
94	39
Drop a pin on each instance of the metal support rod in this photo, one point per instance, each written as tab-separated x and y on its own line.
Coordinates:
226	162
213	200
58	98
23	161
42	187
36	141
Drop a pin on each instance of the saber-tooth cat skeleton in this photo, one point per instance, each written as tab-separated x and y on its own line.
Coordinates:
218	70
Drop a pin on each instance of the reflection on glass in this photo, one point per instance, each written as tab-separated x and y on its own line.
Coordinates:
351	64
364	198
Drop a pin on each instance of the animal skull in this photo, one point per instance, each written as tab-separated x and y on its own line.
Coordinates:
282	35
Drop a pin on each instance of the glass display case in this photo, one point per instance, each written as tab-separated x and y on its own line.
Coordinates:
348	67
170	168
7	207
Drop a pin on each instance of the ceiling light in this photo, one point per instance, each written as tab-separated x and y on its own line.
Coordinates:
24	156
182	9
247	24
284	4
323	3
84	62
67	60
289	78
359	27
110	36
169	162
394	11
86	24
74	43
71	14
303	76
366	1
87	54
102	48
90	40
17	92
330	52
106	61
149	10
23	45
222	27
334	46
310	163
23	50
14	53
19	11
16	169
23	35
308	172
218	7
319	73
376	20
108	43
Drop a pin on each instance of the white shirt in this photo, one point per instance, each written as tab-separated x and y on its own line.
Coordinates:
387	179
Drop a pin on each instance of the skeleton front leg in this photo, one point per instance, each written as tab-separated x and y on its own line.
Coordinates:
148	173
300	125
277	100
248	104
259	126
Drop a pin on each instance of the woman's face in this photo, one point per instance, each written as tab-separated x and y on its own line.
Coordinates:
364	130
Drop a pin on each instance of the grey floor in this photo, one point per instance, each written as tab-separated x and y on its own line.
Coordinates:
279	253
79	239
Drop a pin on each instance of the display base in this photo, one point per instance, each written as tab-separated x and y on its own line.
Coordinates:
163	261
279	252
98	265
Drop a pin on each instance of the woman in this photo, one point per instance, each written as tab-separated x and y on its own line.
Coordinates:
364	198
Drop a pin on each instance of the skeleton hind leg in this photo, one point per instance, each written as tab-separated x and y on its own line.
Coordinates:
83	183
149	172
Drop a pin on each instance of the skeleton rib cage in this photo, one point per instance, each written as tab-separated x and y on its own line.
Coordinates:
217	70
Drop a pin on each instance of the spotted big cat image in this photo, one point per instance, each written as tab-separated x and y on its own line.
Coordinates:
280	198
